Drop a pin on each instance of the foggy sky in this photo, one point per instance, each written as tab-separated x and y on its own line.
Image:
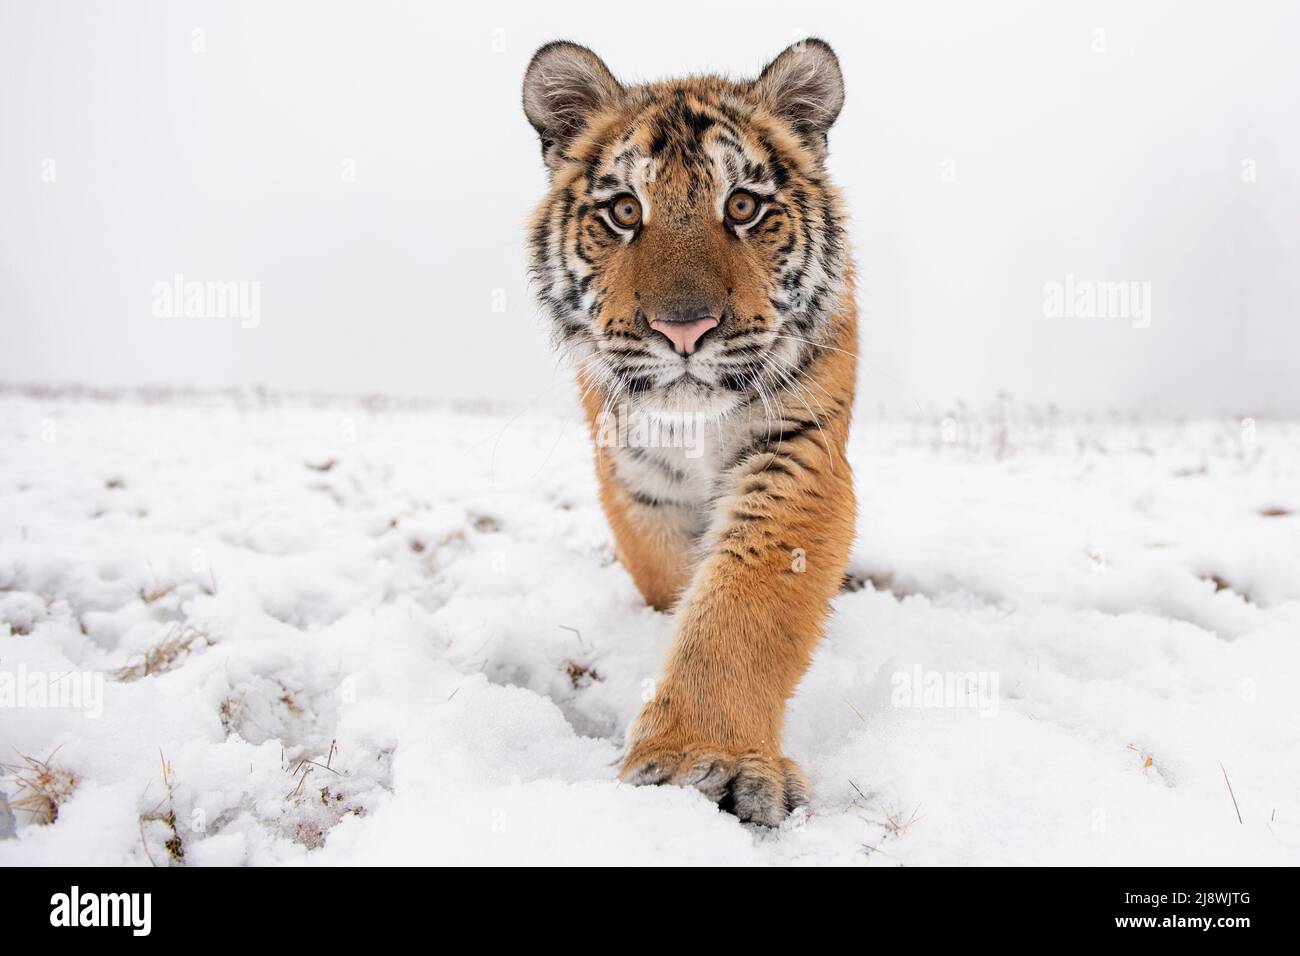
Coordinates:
368	167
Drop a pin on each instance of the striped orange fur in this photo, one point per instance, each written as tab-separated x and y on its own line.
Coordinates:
691	254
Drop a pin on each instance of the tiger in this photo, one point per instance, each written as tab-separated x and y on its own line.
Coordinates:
690	256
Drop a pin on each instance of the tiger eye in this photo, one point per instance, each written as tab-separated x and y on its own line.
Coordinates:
741	207
626	211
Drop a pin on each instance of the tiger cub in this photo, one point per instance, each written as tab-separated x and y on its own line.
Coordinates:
691	254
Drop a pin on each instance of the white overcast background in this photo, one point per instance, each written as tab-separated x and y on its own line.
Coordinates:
984	149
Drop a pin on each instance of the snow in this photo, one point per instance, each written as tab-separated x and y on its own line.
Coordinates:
327	631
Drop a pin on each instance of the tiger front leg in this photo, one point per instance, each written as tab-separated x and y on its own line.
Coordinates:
745	633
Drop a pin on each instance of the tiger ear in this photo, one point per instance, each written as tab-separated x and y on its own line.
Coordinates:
565	84
804	86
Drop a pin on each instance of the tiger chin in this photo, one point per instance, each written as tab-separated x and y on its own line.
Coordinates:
691	255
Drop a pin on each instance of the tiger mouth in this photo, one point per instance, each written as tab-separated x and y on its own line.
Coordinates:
687	378
714	378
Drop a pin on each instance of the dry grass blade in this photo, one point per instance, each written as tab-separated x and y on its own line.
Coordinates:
1231	794
899	827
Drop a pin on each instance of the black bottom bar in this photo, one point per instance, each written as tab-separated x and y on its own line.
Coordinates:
1222	906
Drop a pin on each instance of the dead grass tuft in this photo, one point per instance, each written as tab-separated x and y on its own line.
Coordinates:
165	813
181	641
581	675
152	595
42	787
485	523
313	817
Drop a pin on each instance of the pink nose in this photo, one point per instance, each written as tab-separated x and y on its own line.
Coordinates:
684	335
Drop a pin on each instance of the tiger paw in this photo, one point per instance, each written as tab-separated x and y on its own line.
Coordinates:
757	787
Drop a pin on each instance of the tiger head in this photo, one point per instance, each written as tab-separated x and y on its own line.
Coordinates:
690	251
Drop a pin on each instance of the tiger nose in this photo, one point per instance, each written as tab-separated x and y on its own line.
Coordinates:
685	329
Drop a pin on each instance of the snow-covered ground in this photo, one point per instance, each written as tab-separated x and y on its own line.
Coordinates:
296	631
